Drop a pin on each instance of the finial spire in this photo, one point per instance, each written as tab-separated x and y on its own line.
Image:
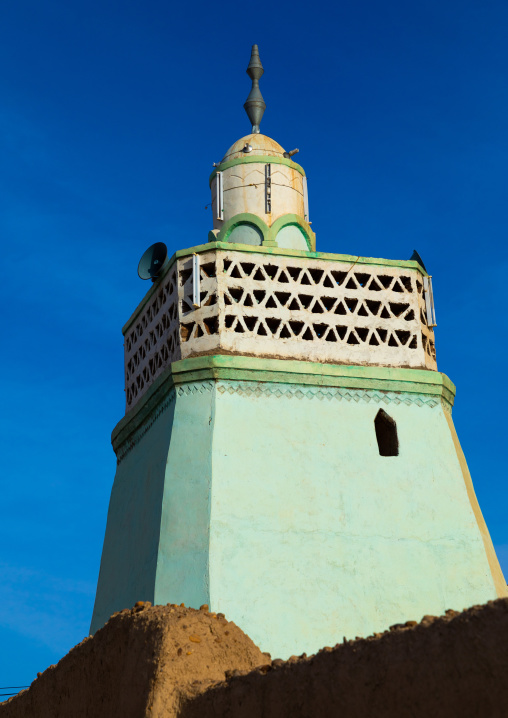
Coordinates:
255	105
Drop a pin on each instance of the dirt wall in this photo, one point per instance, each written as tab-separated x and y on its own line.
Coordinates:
142	663
455	665
172	662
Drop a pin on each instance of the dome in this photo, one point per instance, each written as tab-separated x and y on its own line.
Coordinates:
261	145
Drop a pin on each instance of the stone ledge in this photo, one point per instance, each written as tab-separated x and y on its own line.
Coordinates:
215	368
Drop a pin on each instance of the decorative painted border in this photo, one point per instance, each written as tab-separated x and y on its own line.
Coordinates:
291	371
301	391
250	376
195	388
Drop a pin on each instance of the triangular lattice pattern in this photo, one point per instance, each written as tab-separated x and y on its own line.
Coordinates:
153	342
276	306
166	321
325	311
202	322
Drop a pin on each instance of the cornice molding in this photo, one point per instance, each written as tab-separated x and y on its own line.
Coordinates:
277	378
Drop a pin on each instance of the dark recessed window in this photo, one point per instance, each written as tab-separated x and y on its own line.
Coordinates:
386	434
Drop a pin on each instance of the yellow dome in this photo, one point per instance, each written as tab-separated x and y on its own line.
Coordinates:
261	145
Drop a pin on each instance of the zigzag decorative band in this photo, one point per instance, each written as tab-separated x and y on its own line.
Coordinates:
301	391
196	388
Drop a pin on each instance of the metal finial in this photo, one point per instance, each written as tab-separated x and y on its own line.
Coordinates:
255	105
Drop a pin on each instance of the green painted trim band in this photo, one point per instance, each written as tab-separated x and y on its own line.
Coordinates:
295	371
302	254
358	383
259	159
269	233
282	371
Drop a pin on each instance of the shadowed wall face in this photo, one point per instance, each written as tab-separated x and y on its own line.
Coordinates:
156	542
131	544
182	563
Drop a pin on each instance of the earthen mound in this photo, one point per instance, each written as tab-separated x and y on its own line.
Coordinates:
172	662
144	662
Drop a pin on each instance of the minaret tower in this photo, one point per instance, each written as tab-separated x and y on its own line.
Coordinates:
288	454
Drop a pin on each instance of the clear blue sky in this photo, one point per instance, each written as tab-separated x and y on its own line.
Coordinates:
111	115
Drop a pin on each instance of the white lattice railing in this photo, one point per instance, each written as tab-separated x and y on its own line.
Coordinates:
154	339
276	306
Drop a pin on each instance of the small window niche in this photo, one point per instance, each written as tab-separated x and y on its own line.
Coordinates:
386	434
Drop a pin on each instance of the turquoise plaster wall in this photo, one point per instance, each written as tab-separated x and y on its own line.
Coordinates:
182	566
131	543
314	536
157	536
269	501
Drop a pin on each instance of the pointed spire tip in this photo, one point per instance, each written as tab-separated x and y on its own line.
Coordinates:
255	105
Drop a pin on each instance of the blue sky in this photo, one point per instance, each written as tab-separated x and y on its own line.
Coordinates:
111	115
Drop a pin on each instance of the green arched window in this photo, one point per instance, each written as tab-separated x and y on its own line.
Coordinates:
246	233
291	236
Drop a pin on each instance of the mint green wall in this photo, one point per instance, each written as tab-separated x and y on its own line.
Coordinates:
314	536
131	543
182	567
156	543
256	486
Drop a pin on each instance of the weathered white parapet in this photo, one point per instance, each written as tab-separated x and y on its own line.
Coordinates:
330	309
